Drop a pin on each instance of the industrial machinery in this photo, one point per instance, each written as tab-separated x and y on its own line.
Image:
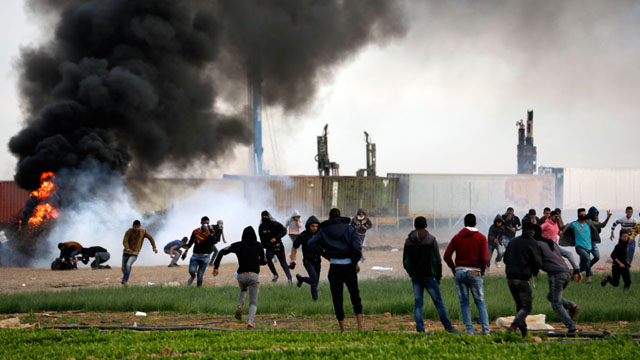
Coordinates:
325	167
371	158
526	151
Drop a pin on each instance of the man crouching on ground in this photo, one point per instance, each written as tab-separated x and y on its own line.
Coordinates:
342	245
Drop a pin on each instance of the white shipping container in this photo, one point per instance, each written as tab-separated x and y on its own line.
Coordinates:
606	188
454	195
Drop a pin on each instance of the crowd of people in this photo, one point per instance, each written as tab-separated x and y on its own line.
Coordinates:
543	244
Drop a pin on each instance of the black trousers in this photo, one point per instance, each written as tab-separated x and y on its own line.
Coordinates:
617	272
340	275
521	292
281	259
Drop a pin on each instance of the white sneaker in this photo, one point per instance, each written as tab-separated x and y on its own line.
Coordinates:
498	265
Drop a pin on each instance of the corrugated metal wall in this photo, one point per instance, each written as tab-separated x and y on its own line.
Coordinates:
377	196
613	189
12	200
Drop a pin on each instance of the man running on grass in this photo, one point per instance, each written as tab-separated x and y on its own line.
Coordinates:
310	256
250	256
203	238
132	242
342	245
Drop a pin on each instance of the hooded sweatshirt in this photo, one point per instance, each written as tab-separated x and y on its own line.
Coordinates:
523	257
270	229
308	253
361	225
294	226
495	231
471	250
338	239
552	261
421	257
249	252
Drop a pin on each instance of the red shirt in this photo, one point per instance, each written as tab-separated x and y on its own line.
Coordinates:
471	250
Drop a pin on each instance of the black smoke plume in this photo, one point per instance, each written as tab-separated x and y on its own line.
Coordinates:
131	84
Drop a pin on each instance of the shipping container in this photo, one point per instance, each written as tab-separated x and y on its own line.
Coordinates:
376	195
453	195
12	200
281	195
607	188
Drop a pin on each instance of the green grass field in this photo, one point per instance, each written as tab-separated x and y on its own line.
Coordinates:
94	344
378	296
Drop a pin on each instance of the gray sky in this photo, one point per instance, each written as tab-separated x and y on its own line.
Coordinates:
445	98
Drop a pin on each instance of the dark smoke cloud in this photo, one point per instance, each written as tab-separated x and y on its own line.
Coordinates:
129	84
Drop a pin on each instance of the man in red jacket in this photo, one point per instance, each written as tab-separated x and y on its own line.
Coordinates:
471	251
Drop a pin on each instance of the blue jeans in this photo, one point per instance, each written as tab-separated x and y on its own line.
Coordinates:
198	262
596	254
127	263
431	285
498	249
585	259
631	250
472	280
100	258
505	241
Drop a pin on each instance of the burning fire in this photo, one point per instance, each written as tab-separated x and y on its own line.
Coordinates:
44	210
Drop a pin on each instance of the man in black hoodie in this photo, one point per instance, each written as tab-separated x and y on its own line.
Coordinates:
271	234
523	260
421	260
341	244
494	239
310	256
250	256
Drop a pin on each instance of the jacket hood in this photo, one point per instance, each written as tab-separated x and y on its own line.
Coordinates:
311	220
361	211
295	213
249	234
550	221
467	233
498	218
334	231
419	235
591	214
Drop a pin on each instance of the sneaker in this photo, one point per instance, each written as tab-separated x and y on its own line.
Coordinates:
275	278
603	282
124	283
238	314
452	330
107	267
589	280
299	280
572	331
250	326
190	281
574	311
498	265
290	281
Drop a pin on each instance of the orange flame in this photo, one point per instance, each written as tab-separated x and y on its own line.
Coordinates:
44	210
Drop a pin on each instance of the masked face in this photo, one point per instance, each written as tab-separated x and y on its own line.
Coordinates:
582	216
360	216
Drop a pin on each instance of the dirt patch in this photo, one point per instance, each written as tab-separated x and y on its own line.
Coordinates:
379	322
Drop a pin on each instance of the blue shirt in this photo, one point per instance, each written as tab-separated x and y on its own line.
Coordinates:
582	234
177	243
